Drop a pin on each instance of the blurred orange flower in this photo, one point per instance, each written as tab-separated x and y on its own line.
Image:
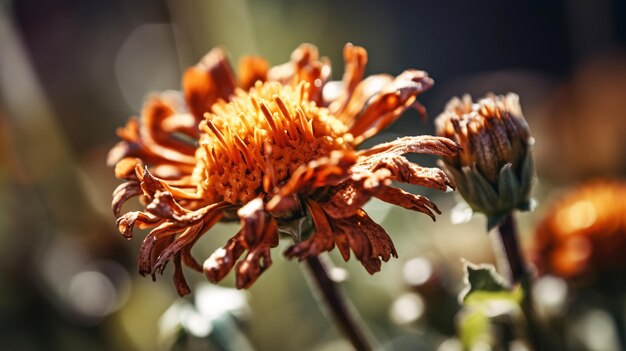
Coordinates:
276	148
584	234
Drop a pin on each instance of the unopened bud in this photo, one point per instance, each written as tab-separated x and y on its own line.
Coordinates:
494	170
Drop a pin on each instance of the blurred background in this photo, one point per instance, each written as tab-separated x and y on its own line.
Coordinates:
71	72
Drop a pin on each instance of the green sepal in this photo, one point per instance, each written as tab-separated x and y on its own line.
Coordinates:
512	192
299	229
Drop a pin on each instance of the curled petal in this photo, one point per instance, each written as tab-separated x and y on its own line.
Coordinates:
130	144
151	185
142	220
389	157
158	139
165	206
175	231
367	88
321	240
305	65
253	220
368	240
400	169
258	258
217	266
187	238
399	197
355	58
164	232
346	201
325	171
423	144
343	243
125	168
211	79
179	278
176	175
188	259
386	106
122	193
250	70
154	138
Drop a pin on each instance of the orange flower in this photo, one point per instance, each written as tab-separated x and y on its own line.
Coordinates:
584	234
275	148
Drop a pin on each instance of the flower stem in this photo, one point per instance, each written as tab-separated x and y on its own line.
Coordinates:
509	239
342	312
519	274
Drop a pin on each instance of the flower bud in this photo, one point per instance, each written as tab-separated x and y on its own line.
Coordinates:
494	170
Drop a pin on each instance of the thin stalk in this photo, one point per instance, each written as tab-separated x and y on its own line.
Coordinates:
341	311
510	243
519	273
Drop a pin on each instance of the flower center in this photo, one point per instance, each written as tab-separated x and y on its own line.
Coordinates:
257	140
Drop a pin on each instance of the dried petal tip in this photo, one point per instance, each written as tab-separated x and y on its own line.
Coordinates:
494	170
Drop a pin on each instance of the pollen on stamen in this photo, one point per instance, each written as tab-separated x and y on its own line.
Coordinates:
235	163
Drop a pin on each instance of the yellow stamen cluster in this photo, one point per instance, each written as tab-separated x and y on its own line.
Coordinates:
256	141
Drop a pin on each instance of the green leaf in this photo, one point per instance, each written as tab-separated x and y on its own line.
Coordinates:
488	303
481	278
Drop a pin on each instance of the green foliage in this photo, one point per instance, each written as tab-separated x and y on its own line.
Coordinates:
489	306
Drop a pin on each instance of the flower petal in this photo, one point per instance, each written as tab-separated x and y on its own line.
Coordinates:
388	156
368	240
399	197
258	258
128	221
320	241
165	231
386	106
325	171
355	58
219	264
423	144
122	193
188	238
305	65
179	278
250	70
367	88
253	219
346	201
211	79
154	136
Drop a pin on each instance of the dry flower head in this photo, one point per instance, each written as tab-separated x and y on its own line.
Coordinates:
271	147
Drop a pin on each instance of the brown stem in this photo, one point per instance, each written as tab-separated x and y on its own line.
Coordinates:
509	240
520	274
341	312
